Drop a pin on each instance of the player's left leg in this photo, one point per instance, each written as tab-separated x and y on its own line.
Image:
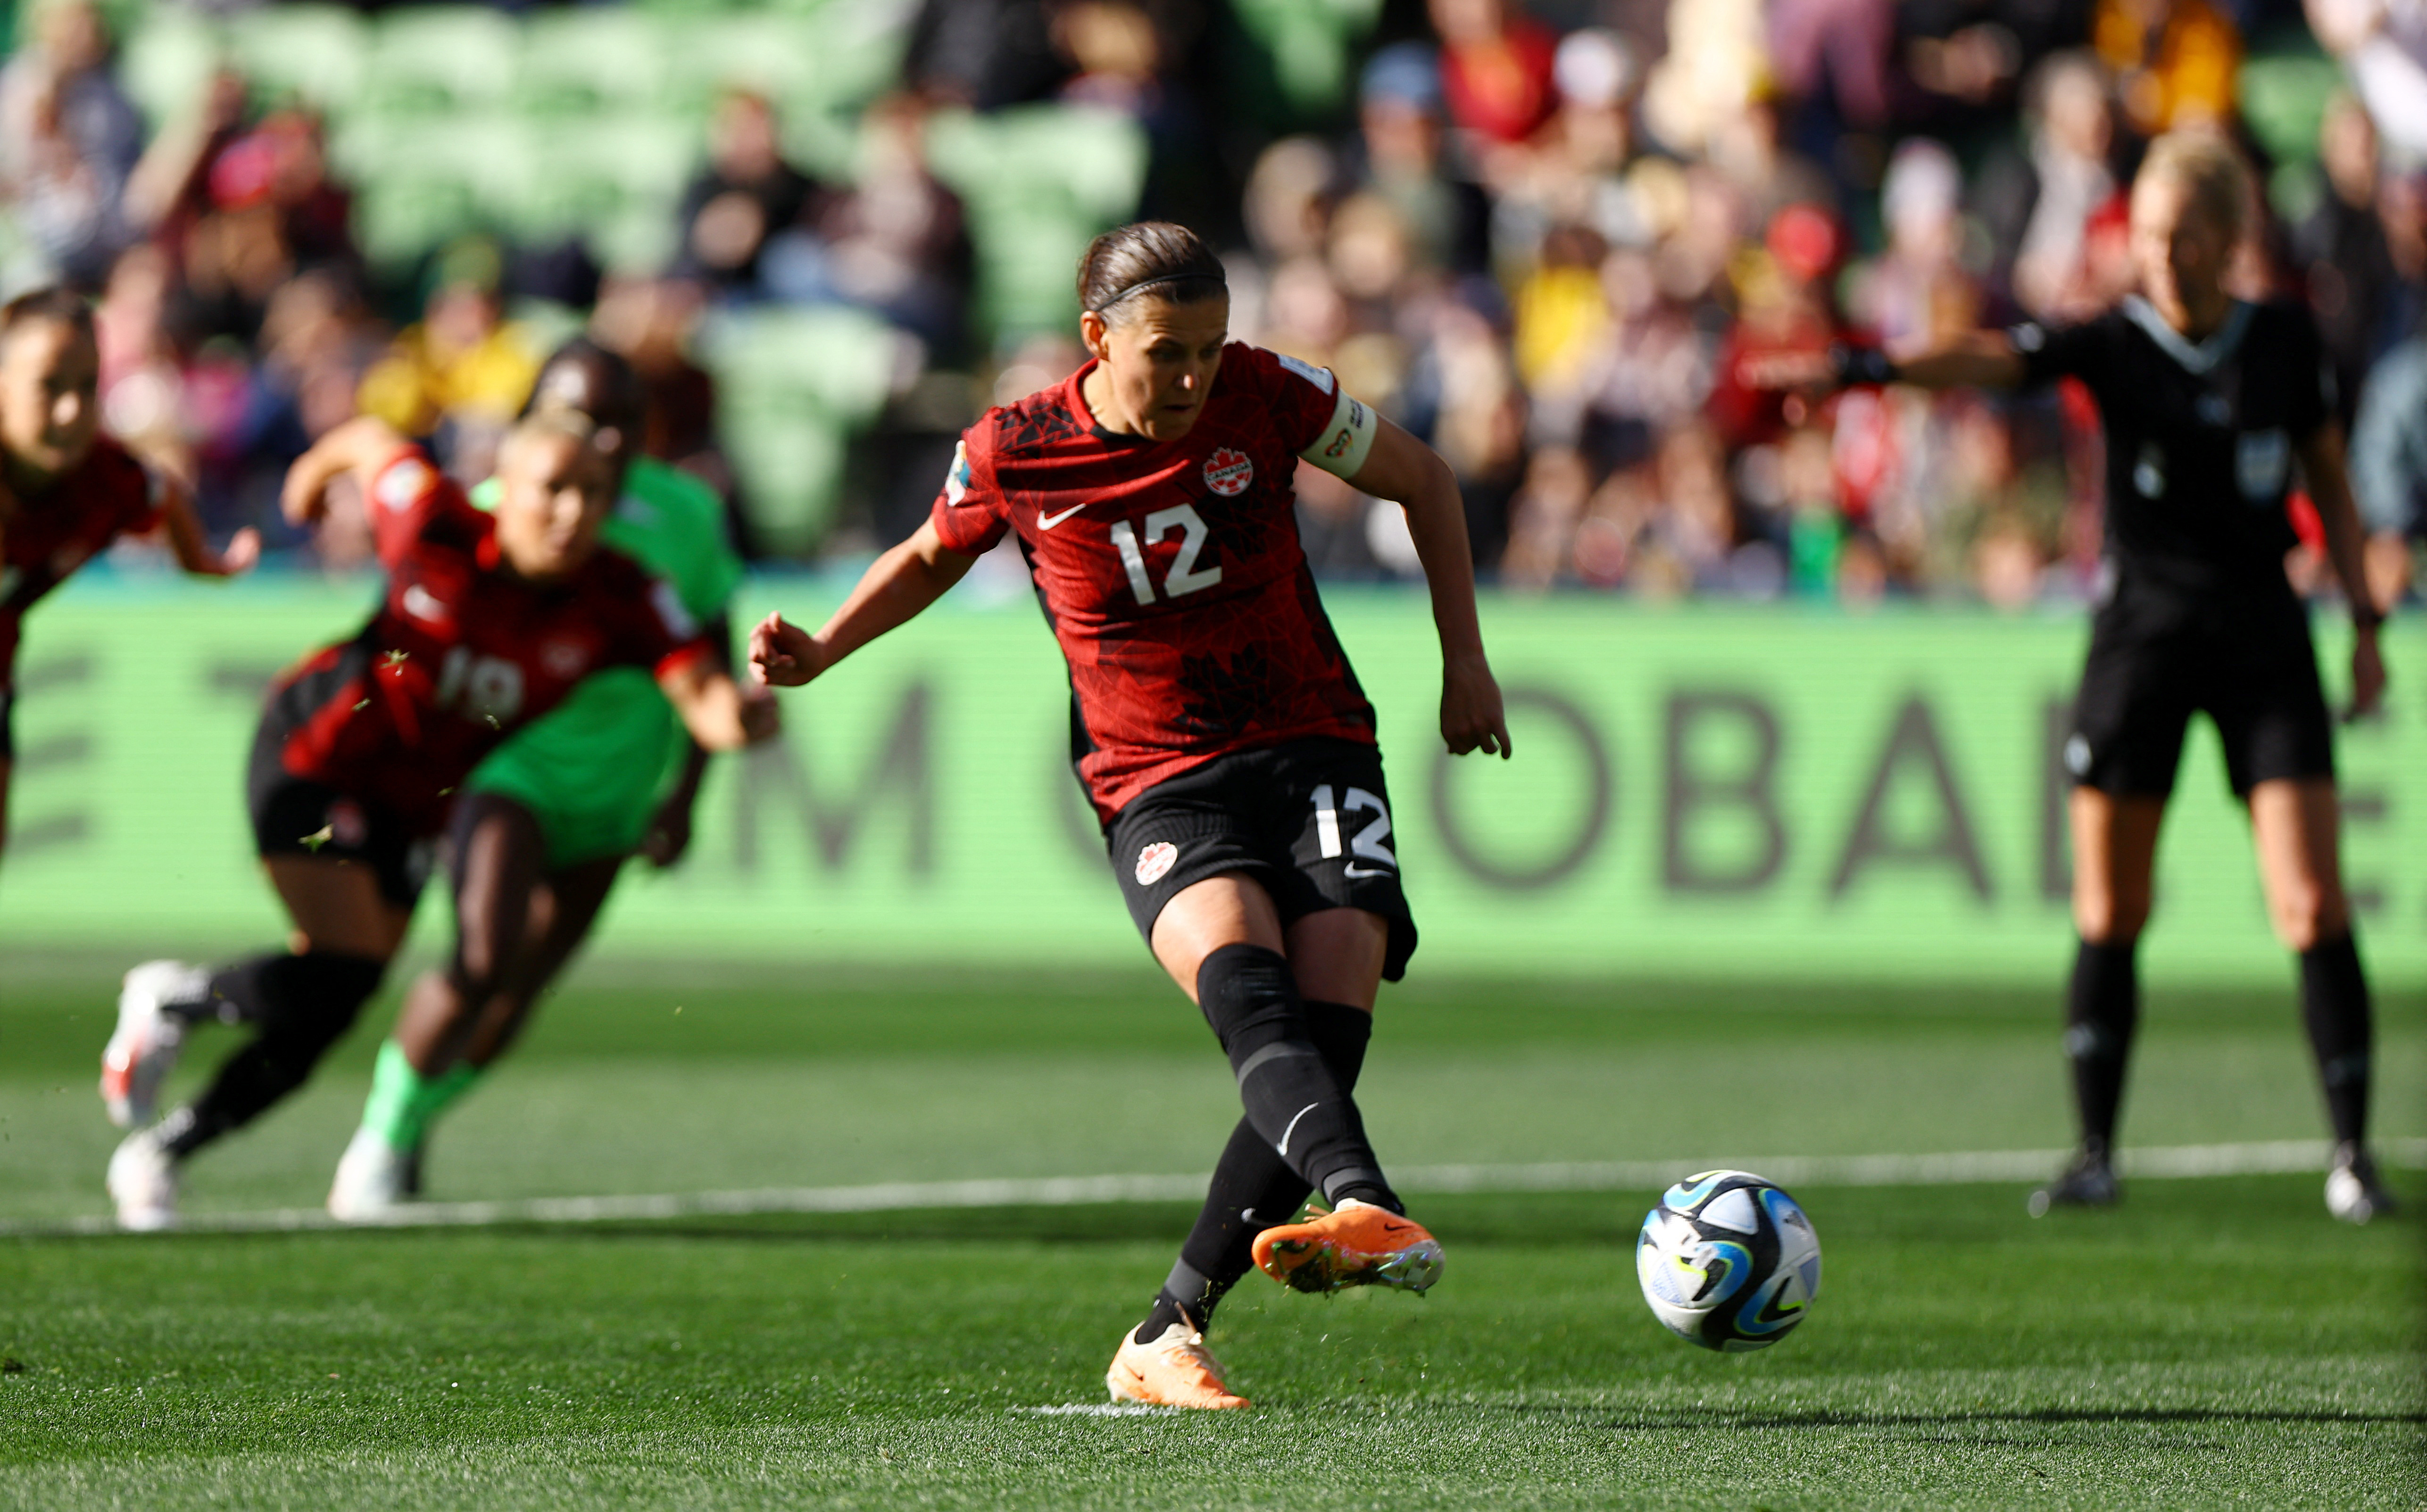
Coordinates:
1336	959
2295	825
563	911
498	855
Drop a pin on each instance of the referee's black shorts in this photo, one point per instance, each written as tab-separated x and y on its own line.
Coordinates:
1309	821
2153	663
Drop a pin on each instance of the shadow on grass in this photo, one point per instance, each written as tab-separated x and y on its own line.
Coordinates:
1706	1418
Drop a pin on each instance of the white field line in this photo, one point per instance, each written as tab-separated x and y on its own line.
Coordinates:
1647	1176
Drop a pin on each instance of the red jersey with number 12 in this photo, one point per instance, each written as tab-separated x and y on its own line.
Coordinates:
1170	571
462	651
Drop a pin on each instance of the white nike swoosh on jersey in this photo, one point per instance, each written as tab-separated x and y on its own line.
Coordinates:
1283	1148
1364	871
421	603
1047	522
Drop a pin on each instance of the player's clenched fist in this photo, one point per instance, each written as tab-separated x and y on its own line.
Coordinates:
784	654
1471	717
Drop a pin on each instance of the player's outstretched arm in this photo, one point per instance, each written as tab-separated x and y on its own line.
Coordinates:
2321	467
896	588
719	713
360	447
1976	359
1403	468
192	549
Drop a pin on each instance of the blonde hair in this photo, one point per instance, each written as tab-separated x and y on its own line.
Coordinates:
550	425
2210	172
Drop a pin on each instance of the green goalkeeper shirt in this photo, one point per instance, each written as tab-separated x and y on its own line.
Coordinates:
594	770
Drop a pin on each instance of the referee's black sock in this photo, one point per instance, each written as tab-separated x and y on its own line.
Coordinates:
303	1004
2102	1009
1252	1189
2334	1006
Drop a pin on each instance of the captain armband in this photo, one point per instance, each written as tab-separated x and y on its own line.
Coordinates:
1341	447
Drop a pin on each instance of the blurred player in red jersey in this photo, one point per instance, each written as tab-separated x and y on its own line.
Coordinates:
66	490
1220	733
488	622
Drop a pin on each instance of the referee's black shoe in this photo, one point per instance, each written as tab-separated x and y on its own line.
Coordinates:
2086	1181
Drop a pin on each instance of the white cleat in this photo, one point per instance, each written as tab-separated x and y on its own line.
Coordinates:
370	1183
145	1047
2353	1194
144	1184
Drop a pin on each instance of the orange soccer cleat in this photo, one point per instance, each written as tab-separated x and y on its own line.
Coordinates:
1175	1371
1359	1244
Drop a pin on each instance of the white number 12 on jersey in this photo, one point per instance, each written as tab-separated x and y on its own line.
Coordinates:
1185	576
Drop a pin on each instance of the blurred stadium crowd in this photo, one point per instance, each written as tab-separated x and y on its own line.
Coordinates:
1541	234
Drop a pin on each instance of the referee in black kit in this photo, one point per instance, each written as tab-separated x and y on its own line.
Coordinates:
2208	402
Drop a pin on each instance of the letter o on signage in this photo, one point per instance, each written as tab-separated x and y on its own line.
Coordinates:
1588	829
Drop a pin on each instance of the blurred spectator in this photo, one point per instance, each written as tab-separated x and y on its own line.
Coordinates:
897	241
461	373
1845	43
2345	262
746	203
2176	60
1446	219
1917	289
2383	43
2055	268
1495	70
2388	446
69	139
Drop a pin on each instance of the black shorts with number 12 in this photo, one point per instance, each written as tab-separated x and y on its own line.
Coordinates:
1309	820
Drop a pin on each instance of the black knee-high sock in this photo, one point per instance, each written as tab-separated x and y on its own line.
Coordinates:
2334	1006
1290	1093
1252	1189
303	1004
2102	1009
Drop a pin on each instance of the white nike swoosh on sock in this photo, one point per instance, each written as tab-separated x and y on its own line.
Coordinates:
1283	1148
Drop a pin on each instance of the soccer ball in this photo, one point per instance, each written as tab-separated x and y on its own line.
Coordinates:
1728	1261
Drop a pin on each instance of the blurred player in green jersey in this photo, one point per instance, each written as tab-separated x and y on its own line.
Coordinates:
543	825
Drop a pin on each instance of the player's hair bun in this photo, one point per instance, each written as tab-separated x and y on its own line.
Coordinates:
1170	260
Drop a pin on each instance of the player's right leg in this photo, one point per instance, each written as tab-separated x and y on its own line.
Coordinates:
298	1003
499	854
2114	848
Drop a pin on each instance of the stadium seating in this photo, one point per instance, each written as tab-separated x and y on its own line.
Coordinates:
587	121
792	387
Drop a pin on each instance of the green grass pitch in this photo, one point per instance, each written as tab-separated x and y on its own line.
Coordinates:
2215	1342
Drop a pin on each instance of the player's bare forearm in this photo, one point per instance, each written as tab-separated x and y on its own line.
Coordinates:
1978	359
1404	469
2322	469
719	714
358	446
896	588
192	549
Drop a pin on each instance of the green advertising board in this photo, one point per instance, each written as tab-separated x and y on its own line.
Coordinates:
1762	792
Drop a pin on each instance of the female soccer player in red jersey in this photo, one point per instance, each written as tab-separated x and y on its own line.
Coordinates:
1225	742
66	490
488	622
2207	402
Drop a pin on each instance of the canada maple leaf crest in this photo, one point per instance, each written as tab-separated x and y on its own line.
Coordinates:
1229	471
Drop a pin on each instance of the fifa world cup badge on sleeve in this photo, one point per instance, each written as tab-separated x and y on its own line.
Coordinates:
957	482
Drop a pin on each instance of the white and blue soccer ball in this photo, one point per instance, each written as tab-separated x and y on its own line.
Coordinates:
1728	1261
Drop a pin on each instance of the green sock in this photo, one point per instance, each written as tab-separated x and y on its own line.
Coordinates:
404	1101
